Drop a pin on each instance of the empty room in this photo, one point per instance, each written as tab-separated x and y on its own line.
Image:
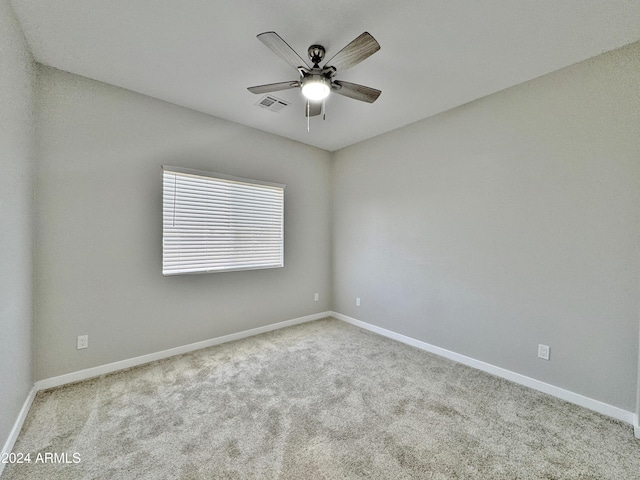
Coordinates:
320	240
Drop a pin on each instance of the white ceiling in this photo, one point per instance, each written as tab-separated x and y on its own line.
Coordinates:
435	54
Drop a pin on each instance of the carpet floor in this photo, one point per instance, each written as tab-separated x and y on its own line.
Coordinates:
321	400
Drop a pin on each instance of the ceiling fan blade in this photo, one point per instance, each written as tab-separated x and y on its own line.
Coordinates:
359	49
353	90
311	109
274	87
282	49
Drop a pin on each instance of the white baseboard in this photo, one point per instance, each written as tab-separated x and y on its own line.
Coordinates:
636	426
581	400
17	426
151	357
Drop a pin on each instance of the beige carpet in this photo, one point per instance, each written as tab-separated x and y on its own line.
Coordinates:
319	400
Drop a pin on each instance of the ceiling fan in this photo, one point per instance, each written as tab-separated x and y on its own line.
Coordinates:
317	82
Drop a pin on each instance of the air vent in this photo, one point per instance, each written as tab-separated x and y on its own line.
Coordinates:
272	103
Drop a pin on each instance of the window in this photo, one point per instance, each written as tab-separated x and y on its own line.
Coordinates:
217	223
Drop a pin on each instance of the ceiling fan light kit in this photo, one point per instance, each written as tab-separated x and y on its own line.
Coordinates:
316	83
315	87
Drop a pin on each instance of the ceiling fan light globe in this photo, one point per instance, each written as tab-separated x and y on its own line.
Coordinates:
315	89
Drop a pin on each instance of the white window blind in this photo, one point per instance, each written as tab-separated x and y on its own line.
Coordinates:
217	223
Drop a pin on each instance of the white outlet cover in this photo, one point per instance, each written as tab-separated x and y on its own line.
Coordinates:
357	301
83	342
543	351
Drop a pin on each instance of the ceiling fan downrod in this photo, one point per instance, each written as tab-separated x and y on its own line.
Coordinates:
316	54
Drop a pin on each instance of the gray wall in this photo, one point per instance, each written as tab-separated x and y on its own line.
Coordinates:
16	218
506	223
99	226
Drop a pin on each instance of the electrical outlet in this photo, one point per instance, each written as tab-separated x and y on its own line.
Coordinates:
83	342
357	301
543	351
316	297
